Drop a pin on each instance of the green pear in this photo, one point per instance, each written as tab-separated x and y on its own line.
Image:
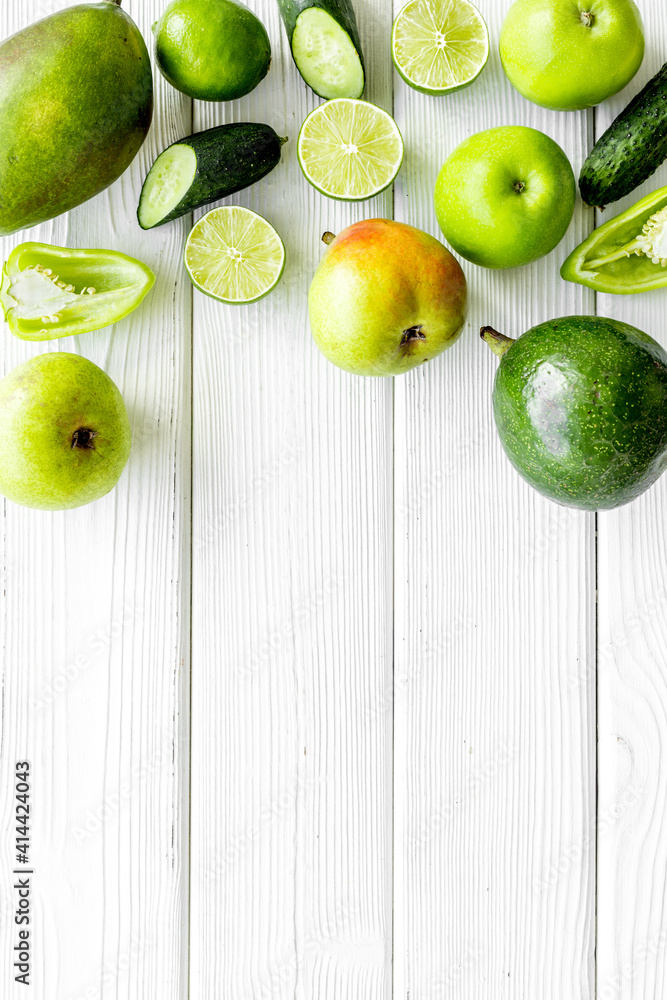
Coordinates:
64	432
385	298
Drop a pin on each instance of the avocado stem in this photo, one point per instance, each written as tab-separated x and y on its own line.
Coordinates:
498	342
283	139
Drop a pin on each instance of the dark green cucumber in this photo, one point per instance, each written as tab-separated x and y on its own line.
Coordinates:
325	44
206	166
632	148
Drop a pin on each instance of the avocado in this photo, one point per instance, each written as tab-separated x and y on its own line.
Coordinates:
76	100
580	405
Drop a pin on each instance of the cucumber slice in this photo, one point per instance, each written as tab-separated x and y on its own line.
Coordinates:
325	44
204	167
167	184
326	57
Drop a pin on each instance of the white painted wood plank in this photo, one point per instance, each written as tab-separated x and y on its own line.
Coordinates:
495	632
291	688
94	629
632	688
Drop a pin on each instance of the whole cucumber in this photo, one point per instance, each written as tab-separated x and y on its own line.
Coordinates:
632	148
203	167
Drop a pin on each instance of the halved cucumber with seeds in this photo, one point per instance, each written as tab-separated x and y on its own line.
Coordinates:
234	255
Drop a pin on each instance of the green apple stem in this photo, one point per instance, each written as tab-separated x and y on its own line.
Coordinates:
498	342
328	237
587	18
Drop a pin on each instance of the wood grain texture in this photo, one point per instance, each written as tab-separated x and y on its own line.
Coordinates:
328	513
495	620
291	641
632	682
95	633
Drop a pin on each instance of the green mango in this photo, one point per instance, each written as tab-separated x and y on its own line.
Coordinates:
76	101
580	405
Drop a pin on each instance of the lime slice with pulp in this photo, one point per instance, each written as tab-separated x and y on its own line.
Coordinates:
350	149
439	46
234	255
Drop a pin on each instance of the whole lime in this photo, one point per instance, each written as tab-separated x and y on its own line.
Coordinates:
213	50
571	54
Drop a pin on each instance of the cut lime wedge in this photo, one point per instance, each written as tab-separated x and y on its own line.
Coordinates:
439	46
234	255
350	149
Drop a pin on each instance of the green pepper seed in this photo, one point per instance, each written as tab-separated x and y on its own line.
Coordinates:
39	282
626	255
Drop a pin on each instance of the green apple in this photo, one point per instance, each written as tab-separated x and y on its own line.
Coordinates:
385	298
64	432
571	54
505	196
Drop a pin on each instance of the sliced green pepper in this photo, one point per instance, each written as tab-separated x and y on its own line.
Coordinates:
627	254
48	292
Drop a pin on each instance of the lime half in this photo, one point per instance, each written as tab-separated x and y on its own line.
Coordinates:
350	149
234	255
439	46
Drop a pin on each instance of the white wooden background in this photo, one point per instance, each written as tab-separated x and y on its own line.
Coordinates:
319	701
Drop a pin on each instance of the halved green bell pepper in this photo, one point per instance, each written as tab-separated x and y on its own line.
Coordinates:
48	292
627	254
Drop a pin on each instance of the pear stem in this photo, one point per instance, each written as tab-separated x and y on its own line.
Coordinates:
498	342
328	237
